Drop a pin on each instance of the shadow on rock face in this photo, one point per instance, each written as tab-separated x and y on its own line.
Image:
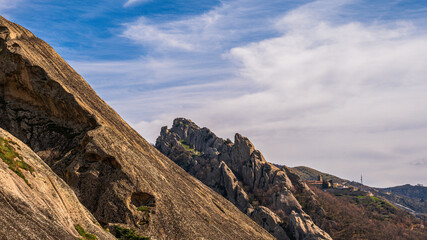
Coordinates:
143	199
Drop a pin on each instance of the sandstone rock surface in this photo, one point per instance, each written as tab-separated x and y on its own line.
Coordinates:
42	206
117	175
240	173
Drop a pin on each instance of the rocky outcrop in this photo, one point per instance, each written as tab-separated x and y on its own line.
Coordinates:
269	221
34	202
240	173
117	175
301	227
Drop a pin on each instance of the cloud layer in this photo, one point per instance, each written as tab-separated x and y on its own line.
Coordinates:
134	2
306	86
7	4
340	98
229	24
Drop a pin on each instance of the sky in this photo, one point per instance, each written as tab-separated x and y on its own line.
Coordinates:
336	85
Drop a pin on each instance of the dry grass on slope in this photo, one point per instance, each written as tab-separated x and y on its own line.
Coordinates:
366	218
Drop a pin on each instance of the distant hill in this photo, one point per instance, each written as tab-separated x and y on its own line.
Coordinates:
417	191
349	215
365	217
411	198
407	195
307	173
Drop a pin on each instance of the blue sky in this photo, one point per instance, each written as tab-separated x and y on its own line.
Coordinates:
337	85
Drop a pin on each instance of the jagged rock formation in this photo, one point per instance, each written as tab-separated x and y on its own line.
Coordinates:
269	221
240	173
35	203
117	175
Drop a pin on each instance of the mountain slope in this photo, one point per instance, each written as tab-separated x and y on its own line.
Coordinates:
366	217
368	214
306	173
34	202
115	173
240	173
407	190
407	197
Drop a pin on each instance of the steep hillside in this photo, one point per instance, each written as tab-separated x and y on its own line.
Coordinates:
240	173
366	217
410	198
117	175
34	202
360	215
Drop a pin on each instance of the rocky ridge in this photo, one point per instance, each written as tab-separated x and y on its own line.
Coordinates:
240	173
117	175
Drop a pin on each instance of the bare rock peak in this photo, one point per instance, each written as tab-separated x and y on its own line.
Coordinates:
240	173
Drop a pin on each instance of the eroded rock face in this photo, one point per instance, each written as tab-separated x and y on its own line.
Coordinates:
302	227
240	173
38	204
269	221
111	168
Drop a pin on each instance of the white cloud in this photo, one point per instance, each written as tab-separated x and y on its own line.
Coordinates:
145	33
343	97
133	2
191	34
8	4
214	30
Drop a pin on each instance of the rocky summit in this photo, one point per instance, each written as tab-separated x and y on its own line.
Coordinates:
128	186
272	197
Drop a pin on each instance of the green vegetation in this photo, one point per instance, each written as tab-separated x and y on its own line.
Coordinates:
84	234
188	148
122	233
377	202
9	155
143	208
382	208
